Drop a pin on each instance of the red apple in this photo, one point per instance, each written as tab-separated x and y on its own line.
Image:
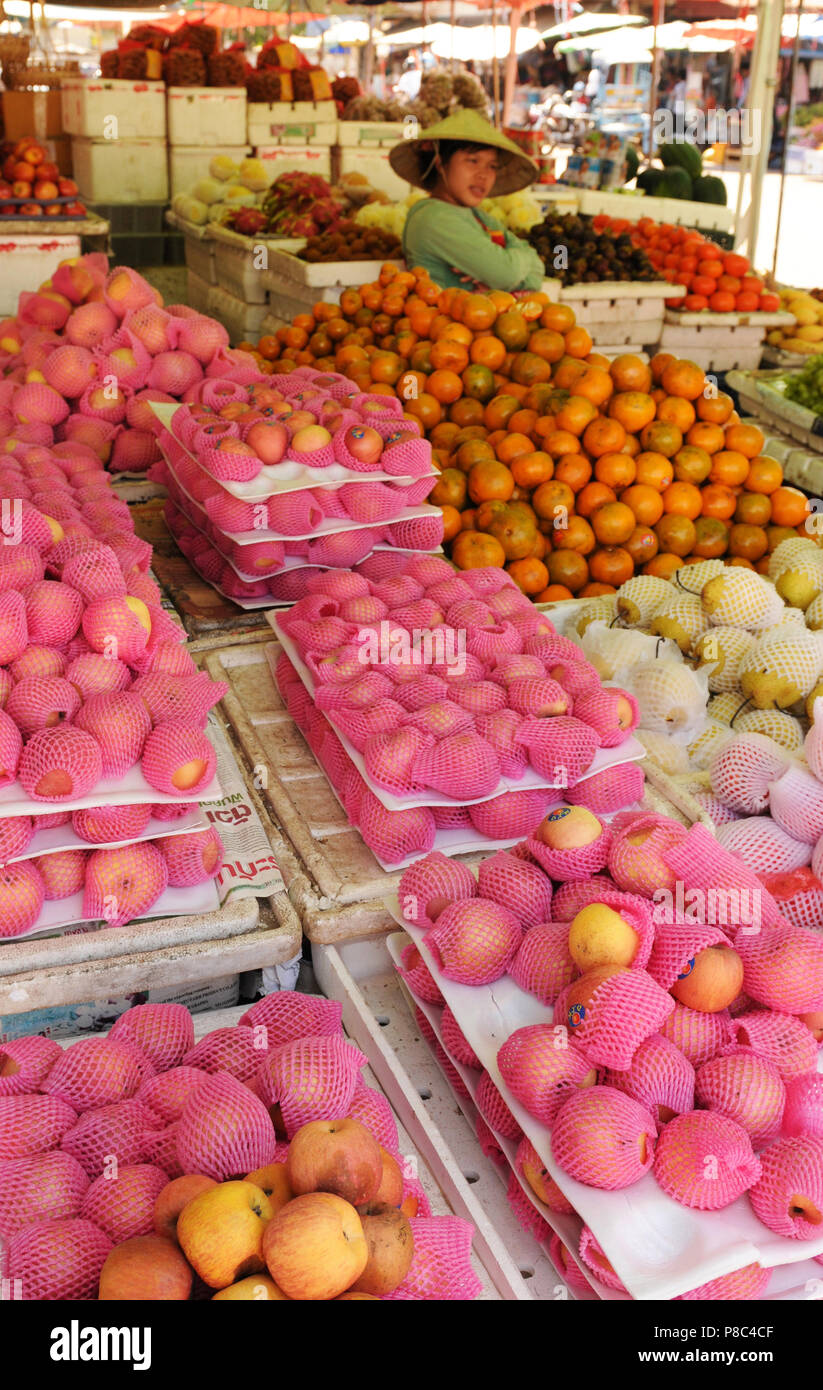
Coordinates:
174	1197
47	171
269	442
45	189
53	210
31	210
5	189
711	980
34	154
145	1269
21	188
9	166
339	1156
315	1248
363	443
68	188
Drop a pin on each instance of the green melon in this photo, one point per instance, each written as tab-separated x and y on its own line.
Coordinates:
680	154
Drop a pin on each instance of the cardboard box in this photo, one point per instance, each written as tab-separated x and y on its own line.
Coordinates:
32	113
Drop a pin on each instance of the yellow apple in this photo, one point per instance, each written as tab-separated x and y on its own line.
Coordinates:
257	1288
712	979
221	1232
600	936
569	827
139	610
174	1197
274	1181
339	1156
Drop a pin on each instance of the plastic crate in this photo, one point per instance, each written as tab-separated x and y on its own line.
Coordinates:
110	108
291	123
243	321
205	115
121	171
26	261
285	159
188	163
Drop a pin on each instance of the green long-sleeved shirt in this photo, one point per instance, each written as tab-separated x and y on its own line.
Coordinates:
450	243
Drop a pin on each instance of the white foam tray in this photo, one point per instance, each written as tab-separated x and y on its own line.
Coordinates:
175	902
289	475
658	1248
61	837
329	526
131	789
629	752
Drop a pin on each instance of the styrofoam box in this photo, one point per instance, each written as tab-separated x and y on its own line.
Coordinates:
121	171
200	258
188	163
369	135
202	115
242	320
286	159
291	123
197	292
678	211
111	108
287	270
26	261
373	164
240	261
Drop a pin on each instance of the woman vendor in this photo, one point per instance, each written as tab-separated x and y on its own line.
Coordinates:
460	162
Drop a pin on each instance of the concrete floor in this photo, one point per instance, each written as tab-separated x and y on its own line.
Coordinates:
170	280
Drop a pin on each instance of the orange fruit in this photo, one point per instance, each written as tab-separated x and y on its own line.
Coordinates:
747	541
501	299
615	470
576	414
718	501
577	535
466	411
523	421
443	435
663	565
591	496
478	381
593	590
516	532
740	563
578	342
568	371
569	568
530	575
499	410
711	538
511	445
452	522
559	442
633	409
476	550
573	469
427	409
715	409
659	363
554	593
653	469
705	435
486	513
488	351
558	317
386	367
646	503
479	312
547	344
595	384
530	370
776	534
512	329
613	523
450	489
661	437
729	467
450	355
789	506
692	465
674	410
529	470
745	439
552	499
490	479
611	564
642	545
630	373
603	436
753	509
682	498
683	378
764	475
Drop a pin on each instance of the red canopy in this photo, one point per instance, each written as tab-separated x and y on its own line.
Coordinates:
236	17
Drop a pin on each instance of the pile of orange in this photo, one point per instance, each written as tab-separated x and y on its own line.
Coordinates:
571	471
